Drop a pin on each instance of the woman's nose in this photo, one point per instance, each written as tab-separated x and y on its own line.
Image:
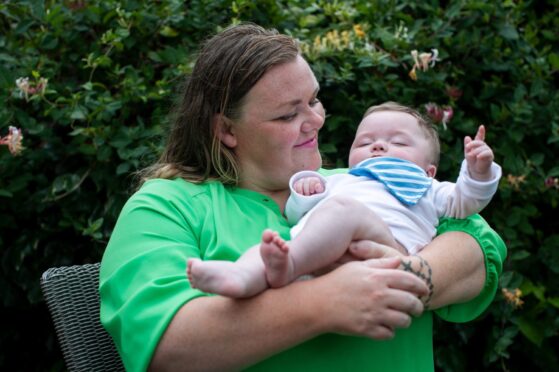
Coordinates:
314	120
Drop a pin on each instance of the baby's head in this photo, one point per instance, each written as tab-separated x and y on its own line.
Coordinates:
397	131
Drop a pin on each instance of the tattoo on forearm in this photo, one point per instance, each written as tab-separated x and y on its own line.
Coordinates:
423	272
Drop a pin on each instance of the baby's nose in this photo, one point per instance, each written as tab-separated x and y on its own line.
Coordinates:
379	146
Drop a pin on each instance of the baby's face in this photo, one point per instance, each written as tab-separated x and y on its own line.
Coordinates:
395	134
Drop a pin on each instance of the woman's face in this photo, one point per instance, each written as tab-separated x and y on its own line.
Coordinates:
276	134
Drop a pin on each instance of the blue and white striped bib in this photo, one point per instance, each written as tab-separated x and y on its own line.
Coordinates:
402	178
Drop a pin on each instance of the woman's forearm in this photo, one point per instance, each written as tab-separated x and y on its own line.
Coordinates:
457	268
368	299
218	333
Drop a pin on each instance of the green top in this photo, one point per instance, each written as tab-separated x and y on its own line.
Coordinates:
143	281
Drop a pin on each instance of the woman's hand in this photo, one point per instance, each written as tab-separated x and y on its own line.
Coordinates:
369	298
367	249
362	250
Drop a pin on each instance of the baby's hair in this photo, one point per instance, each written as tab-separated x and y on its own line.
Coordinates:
424	123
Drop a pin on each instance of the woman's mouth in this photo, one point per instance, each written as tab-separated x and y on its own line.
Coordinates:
313	142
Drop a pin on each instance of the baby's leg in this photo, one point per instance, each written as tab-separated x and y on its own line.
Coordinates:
329	231
242	278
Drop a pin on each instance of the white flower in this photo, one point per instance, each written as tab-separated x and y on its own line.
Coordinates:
13	140
23	86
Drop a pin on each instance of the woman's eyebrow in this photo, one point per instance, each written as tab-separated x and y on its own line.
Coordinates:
296	102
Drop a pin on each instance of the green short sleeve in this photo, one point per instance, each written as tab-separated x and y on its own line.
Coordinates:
494	251
143	281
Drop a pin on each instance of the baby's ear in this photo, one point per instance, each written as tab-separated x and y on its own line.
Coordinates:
431	170
224	130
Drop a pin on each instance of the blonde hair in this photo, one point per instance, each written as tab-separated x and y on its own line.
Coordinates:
424	123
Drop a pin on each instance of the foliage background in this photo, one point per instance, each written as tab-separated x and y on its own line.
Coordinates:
112	67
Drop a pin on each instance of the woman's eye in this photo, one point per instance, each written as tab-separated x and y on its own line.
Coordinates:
314	101
287	117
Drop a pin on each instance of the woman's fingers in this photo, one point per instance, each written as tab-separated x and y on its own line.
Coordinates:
405	303
396	279
359	251
367	249
372	298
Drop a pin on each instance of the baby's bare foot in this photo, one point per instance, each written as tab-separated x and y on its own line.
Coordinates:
275	255
219	277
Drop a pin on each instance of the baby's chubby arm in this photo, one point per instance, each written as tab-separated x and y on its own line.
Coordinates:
309	185
479	156
305	195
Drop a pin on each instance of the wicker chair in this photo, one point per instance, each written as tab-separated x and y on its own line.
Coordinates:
72	297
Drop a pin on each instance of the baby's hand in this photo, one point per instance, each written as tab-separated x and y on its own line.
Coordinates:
308	186
479	156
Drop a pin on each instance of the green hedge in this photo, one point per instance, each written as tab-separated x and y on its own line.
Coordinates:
101	77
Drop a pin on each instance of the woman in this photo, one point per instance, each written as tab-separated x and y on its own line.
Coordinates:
248	119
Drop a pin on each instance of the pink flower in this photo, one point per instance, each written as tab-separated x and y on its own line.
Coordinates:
13	140
453	92
434	112
439	114
448	113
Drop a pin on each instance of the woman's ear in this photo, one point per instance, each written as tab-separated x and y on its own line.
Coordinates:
224	130
431	170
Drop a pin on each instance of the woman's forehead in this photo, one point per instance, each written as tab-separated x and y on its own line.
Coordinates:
283	86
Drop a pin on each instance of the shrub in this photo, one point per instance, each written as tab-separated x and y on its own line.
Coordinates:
95	81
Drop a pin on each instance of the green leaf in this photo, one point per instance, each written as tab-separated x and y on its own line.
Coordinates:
93	227
122	168
554	172
38	8
520	255
554	301
532	329
530	288
553	59
168	31
6	193
64	183
79	113
88	86
6	78
508	31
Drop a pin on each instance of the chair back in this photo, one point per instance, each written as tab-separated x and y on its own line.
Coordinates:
72	298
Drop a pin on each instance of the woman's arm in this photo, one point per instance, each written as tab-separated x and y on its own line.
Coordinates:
361	298
461	266
452	265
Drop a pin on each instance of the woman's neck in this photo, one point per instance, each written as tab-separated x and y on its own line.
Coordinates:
280	196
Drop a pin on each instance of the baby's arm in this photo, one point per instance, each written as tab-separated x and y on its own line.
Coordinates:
477	183
301	201
479	156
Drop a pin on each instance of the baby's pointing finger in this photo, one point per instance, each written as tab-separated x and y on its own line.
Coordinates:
480	135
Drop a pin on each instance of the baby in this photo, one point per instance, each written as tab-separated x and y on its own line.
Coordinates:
388	196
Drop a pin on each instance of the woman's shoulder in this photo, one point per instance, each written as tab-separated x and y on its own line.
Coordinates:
177	186
181	187
177	191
